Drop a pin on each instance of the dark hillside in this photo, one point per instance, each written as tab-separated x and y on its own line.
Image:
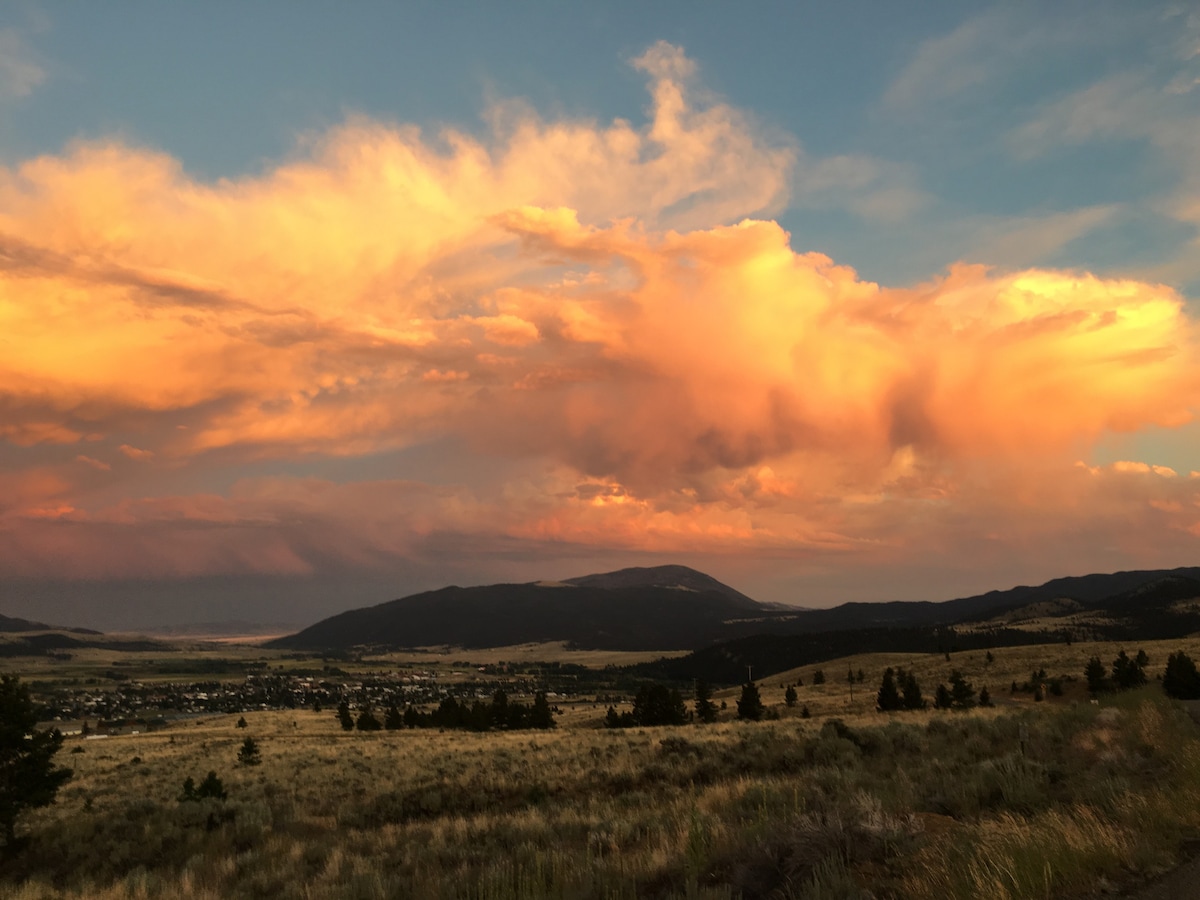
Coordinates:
633	618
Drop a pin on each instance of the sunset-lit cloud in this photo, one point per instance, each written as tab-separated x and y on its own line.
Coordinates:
607	308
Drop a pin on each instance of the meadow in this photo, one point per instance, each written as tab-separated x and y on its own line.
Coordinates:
1061	798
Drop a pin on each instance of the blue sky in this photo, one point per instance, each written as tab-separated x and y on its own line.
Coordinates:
937	150
924	102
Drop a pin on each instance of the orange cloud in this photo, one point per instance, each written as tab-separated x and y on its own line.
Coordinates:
584	303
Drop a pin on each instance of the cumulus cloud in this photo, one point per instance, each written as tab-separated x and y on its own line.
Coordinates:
593	303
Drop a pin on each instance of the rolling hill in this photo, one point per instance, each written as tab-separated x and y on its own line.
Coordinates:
677	608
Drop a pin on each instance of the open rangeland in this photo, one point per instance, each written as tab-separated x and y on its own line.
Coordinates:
1059	797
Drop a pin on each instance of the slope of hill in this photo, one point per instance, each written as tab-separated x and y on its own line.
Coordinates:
13	625
619	618
674	608
678	577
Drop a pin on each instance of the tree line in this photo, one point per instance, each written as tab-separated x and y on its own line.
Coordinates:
501	714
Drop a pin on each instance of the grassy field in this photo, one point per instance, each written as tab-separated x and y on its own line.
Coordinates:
1027	799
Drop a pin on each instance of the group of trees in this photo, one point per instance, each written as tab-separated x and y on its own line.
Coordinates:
960	695
498	715
899	690
1126	673
657	704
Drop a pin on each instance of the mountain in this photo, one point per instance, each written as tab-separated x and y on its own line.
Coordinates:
662	608
10	625
1124	606
679	577
674	608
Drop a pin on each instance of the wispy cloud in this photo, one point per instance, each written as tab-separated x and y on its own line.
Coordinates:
20	72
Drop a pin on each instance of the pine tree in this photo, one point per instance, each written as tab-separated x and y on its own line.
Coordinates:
392	720
212	787
1128	673
249	755
1096	674
367	721
1181	680
343	714
888	698
985	696
541	716
750	705
657	704
942	698
28	777
962	694
706	710
912	691
789	696
818	677
241	723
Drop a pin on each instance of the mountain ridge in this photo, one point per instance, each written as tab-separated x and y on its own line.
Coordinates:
675	607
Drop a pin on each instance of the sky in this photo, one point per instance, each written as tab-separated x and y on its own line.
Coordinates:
307	306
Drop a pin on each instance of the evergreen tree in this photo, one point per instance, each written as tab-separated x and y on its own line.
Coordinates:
28	777
750	705
657	704
343	714
1181	680
888	698
367	721
241	723
249	755
789	696
962	694
412	718
985	697
541	716
942	698
912	691
1096	675
1128	673
706	710
212	787
818	677
392	720
804	713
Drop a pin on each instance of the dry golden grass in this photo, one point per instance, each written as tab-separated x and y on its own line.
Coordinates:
921	805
